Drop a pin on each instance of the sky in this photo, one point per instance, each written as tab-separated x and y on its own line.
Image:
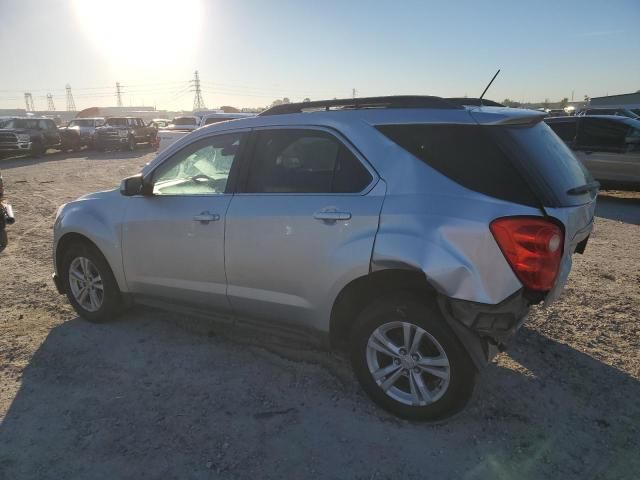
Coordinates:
251	52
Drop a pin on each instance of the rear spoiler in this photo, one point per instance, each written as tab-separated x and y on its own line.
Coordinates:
506	116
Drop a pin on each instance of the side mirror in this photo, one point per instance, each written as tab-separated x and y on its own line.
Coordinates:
132	186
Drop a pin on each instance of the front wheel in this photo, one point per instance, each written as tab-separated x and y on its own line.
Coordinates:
131	144
409	361
89	283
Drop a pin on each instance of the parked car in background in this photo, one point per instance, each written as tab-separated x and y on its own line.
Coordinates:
609	146
124	133
624	112
80	132
412	232
557	112
186	123
28	135
6	217
169	136
159	123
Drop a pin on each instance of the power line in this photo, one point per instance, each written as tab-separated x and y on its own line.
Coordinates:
198	101
50	105
71	105
119	94
28	101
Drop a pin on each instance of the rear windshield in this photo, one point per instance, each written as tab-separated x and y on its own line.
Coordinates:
211	120
116	122
184	121
527	165
547	161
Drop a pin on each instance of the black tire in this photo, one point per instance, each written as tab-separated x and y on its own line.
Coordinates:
4	240
131	143
38	149
111	304
408	308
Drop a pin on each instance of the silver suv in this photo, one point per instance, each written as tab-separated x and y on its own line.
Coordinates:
412	232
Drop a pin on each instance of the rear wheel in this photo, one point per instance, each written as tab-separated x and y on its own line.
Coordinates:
89	283
409	361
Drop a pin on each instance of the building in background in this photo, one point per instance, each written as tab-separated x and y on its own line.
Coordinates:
626	100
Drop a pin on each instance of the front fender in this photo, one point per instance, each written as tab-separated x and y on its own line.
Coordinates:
99	219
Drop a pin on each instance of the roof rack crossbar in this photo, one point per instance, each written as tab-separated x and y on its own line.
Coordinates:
397	101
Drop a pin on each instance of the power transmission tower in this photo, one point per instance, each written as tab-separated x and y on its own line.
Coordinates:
50	105
119	93
71	105
28	101
354	93
198	101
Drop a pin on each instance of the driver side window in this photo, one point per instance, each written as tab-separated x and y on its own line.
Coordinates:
201	168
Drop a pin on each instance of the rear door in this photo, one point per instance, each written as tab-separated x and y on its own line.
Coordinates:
301	224
601	145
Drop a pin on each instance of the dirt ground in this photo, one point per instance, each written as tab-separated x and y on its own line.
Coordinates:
153	395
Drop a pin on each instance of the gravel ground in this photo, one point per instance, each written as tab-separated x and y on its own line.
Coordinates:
154	395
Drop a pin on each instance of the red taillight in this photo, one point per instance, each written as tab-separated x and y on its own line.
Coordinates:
533	247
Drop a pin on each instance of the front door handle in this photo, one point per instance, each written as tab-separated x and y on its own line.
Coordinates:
332	216
206	217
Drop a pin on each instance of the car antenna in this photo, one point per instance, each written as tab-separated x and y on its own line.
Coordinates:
485	90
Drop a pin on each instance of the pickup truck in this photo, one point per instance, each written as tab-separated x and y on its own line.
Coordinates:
28	136
80	132
180	127
124	133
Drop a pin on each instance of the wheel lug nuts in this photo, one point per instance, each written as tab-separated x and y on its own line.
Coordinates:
403	351
416	370
396	361
415	357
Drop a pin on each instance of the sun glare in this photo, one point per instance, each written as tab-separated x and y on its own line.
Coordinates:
144	33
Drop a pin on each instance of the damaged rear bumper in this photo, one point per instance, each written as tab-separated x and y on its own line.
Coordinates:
485	329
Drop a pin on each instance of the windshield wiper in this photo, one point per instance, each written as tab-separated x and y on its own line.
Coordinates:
586	188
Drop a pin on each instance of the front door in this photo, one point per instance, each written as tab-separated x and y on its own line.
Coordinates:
603	146
173	238
303	221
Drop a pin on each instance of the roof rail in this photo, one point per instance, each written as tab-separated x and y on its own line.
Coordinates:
396	101
474	102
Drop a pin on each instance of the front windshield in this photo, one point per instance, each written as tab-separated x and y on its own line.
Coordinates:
19	123
116	122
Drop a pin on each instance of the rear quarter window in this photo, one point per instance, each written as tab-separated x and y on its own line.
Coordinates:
466	154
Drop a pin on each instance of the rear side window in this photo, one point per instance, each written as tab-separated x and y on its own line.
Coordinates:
602	134
467	155
303	161
565	130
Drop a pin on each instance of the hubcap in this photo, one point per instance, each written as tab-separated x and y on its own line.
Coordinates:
86	284
408	363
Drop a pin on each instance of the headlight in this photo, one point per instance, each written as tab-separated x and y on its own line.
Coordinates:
123	133
23	137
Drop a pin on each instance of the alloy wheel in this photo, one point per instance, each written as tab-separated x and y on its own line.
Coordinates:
408	363
86	284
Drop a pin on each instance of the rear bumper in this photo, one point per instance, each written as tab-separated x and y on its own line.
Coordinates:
485	329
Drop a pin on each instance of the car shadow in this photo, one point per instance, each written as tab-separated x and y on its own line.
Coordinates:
13	162
144	397
622	209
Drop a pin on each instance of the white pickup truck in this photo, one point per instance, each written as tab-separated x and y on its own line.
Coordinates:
181	126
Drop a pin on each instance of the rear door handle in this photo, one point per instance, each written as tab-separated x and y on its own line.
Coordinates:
206	217
330	216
